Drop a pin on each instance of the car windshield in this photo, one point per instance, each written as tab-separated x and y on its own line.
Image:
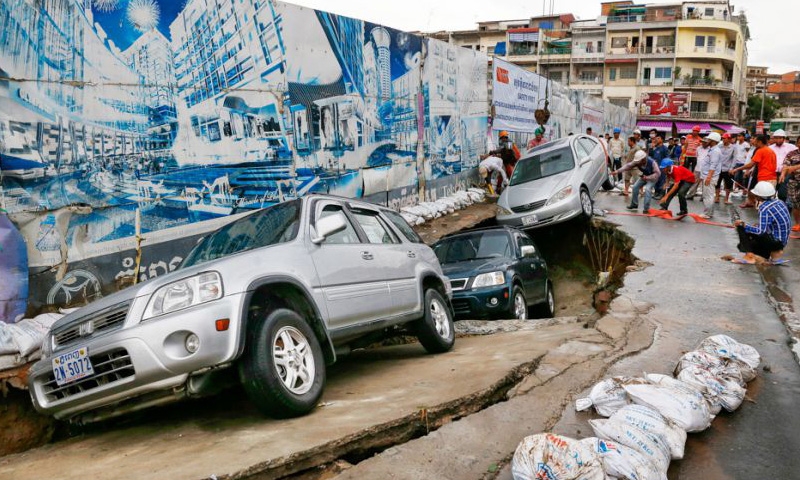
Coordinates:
543	165
473	246
271	226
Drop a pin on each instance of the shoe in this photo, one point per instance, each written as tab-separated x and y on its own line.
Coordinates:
632	207
682	214
706	217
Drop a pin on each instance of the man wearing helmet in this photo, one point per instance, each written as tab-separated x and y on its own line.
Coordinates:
682	178
650	175
508	152
538	138
765	241
709	173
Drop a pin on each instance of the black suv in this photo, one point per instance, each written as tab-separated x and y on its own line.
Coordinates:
496	272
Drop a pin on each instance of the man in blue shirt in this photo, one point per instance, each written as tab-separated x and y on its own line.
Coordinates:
765	241
659	152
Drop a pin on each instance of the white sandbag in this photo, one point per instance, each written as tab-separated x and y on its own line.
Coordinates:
623	462
668	381
553	457
608	396
728	369
726	347
729	394
652	447
653	422
26	335
418	211
686	408
9	361
410	218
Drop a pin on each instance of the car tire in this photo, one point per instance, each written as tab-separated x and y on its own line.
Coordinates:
281	391
435	330
518	309
587	204
547	309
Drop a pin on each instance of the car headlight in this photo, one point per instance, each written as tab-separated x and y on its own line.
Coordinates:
185	293
561	195
504	211
489	279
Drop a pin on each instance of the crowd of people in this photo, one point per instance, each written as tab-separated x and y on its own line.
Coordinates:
764	170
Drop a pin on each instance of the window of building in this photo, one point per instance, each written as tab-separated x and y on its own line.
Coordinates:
700	107
709	12
627	73
697	72
700	41
556	76
612	74
663	72
619	42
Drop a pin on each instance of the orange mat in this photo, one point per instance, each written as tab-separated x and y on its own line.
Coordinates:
667	215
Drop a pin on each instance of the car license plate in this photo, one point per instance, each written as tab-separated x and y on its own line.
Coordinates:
72	366
530	220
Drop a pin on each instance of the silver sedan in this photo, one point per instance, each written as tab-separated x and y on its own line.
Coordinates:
555	182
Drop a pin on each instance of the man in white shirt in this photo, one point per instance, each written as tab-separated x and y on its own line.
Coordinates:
617	146
727	164
781	148
709	170
702	153
740	149
492	168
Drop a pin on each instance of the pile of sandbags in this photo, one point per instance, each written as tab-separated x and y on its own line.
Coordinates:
21	342
648	417
425	211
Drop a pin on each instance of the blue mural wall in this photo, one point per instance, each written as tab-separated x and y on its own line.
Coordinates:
178	116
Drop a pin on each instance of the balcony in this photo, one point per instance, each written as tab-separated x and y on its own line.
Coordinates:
719	115
555	55
703	83
712	51
623	22
582	55
587	81
663	51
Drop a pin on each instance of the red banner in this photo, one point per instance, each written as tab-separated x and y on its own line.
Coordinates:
676	104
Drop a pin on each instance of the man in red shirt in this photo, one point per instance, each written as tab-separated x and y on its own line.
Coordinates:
764	165
693	141
683	180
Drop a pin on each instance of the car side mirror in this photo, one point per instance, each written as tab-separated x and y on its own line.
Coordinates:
528	251
586	160
328	226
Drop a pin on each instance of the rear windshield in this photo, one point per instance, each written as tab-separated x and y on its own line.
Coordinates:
543	165
271	226
473	246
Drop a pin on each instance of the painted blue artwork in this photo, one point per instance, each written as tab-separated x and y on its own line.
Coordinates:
189	112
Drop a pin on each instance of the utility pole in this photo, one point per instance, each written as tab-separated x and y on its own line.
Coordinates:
763	98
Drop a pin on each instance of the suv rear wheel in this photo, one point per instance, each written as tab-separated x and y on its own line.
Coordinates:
283	369
435	330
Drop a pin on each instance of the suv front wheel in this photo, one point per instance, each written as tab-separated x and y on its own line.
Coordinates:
435	330
283	369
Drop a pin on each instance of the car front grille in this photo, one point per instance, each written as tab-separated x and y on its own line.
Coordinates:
103	322
461	306
458	284
108	368
529	207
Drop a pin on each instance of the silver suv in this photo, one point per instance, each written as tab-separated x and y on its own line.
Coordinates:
275	295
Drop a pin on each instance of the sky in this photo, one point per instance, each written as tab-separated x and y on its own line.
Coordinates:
770	20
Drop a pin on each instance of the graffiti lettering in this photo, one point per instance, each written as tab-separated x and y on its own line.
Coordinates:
146	272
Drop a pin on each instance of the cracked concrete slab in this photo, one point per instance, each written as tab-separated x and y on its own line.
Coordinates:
374	399
478	445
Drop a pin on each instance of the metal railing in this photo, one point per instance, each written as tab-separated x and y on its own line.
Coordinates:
712	49
719	115
645	50
587	81
556	51
644	17
703	82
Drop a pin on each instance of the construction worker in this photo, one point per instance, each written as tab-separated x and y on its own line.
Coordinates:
492	171
538	138
766	240
508	152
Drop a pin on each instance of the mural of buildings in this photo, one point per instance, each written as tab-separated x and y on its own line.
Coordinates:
207	112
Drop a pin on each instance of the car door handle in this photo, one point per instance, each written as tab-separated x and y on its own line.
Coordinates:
411	254
366	256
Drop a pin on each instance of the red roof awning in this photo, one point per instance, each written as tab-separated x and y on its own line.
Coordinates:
621	60
523	30
661	126
686	127
732	129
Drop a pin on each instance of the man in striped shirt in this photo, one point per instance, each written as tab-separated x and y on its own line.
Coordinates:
690	152
765	241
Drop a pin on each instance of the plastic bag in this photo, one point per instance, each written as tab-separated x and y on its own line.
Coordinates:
685	407
623	462
653	422
651	446
726	347
552	457
717	389
608	396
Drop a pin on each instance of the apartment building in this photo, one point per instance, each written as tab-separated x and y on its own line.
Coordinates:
686	60
759	78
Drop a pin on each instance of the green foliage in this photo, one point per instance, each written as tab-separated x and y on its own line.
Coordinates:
771	107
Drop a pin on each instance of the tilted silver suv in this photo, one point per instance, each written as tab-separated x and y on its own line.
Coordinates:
275	294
